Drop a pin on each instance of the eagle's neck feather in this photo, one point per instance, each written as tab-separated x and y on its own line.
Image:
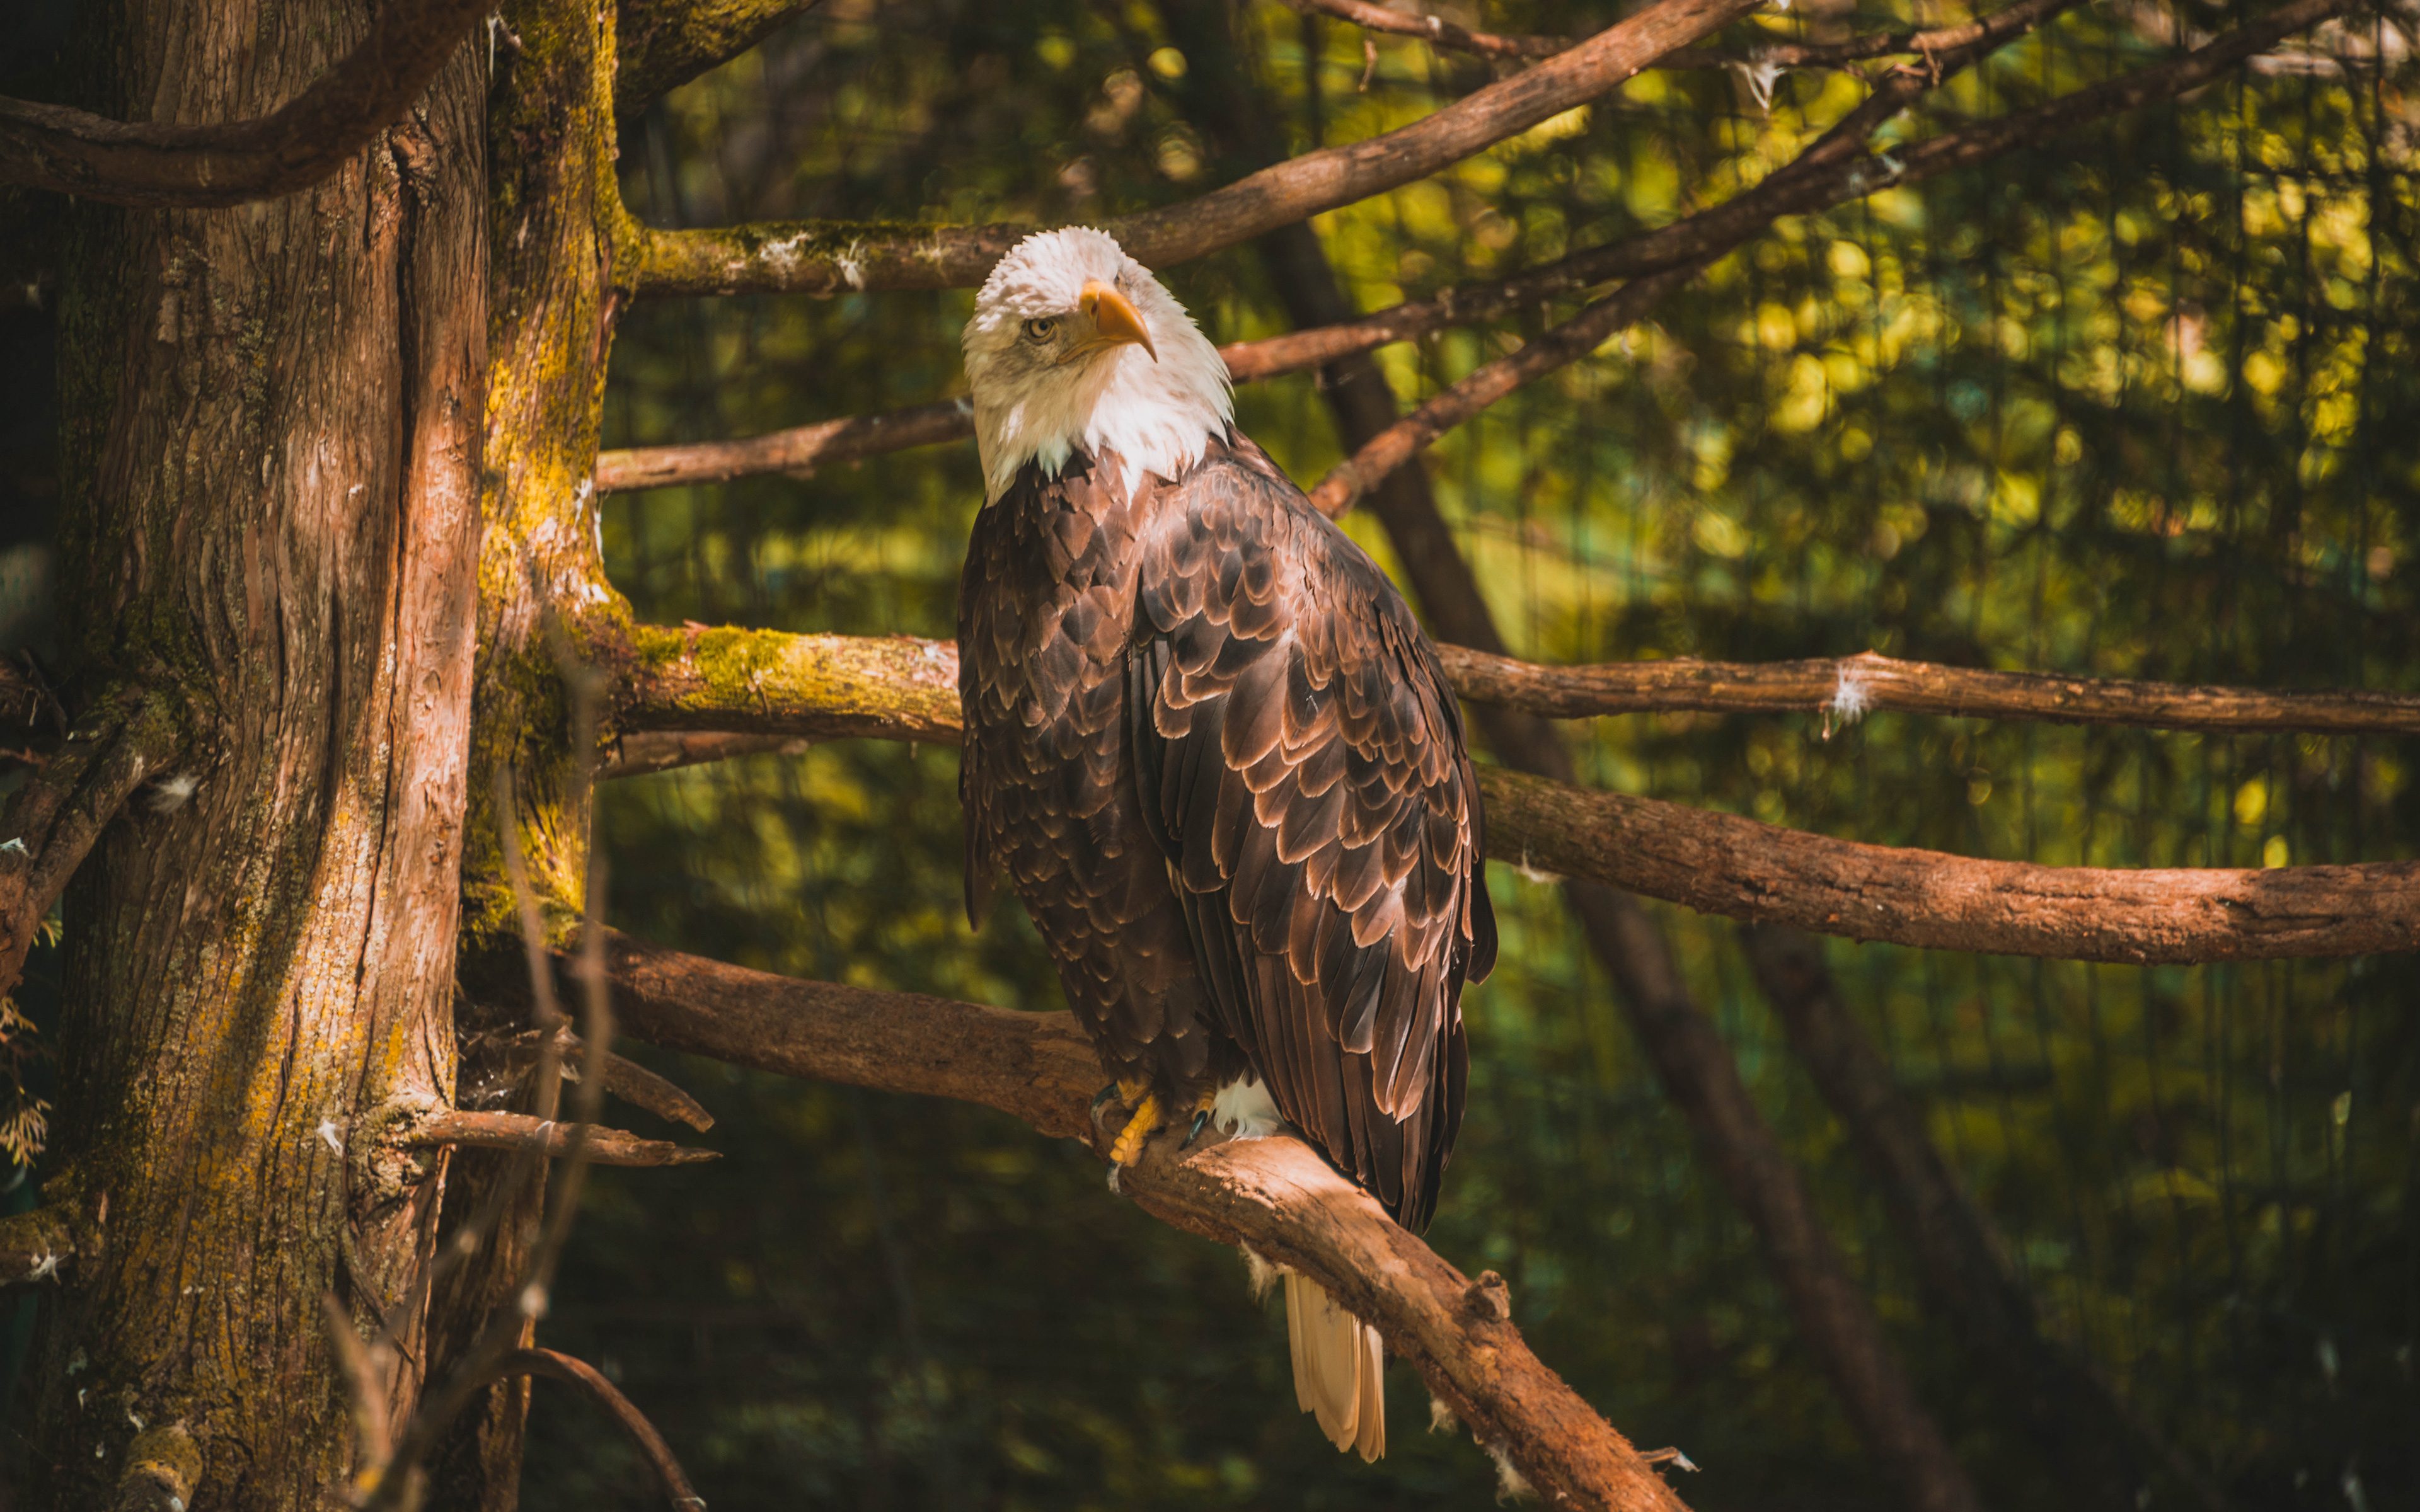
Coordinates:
1154	416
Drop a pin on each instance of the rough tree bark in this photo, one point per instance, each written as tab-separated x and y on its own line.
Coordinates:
558	236
271	472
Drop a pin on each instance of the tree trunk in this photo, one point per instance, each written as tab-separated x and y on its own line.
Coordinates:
272	468
558	233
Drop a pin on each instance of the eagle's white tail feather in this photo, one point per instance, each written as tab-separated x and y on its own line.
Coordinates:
1339	1368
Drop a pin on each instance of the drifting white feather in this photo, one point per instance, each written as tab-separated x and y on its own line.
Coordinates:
1034	405
1511	1485
1760	77
1264	1275
1441	1418
173	792
1851	696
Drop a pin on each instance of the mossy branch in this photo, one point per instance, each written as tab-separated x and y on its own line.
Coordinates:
662	44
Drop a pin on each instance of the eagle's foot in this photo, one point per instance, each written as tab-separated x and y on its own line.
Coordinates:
1149	1118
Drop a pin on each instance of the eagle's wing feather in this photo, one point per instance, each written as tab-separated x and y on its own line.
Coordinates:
1301	764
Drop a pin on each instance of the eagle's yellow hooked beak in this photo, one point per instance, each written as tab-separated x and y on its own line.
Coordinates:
1115	321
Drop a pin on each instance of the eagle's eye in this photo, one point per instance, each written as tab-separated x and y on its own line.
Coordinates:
1040	329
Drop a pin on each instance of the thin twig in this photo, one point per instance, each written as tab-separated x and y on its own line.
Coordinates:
585	1378
519	1131
1560	348
1747	215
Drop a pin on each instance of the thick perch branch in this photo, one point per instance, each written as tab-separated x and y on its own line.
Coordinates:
768	683
161	165
831	259
1719	863
549	1138
1274	1194
50	822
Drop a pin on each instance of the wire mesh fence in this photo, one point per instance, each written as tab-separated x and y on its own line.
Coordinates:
2138	401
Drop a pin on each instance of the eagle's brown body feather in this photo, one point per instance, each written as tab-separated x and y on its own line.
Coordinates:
1219	762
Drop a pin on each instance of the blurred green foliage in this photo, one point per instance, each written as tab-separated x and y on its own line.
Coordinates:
2137	402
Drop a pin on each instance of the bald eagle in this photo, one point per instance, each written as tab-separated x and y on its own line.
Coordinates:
1218	761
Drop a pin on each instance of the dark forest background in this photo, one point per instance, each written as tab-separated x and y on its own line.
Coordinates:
2140	403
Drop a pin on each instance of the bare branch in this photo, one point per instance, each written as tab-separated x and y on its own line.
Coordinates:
767	683
815	258
586	1380
1273	1195
519	1131
160	165
662	44
1741	218
1835	168
1433	29
798	451
660	750
1560	348
635	1084
52	821
1848	687
1439	32
1722	864
36	1246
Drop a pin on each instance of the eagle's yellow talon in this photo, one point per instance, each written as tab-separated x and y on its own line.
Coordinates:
1146	1121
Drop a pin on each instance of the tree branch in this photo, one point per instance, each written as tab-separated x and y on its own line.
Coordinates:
1273	1195
548	1137
764	682
798	451
662	44
164	164
1566	344
1850	686
816	258
1835	168
51	821
586	1380
1722	864
1439	32
1740	218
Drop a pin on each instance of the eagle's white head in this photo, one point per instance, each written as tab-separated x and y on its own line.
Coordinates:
1075	343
